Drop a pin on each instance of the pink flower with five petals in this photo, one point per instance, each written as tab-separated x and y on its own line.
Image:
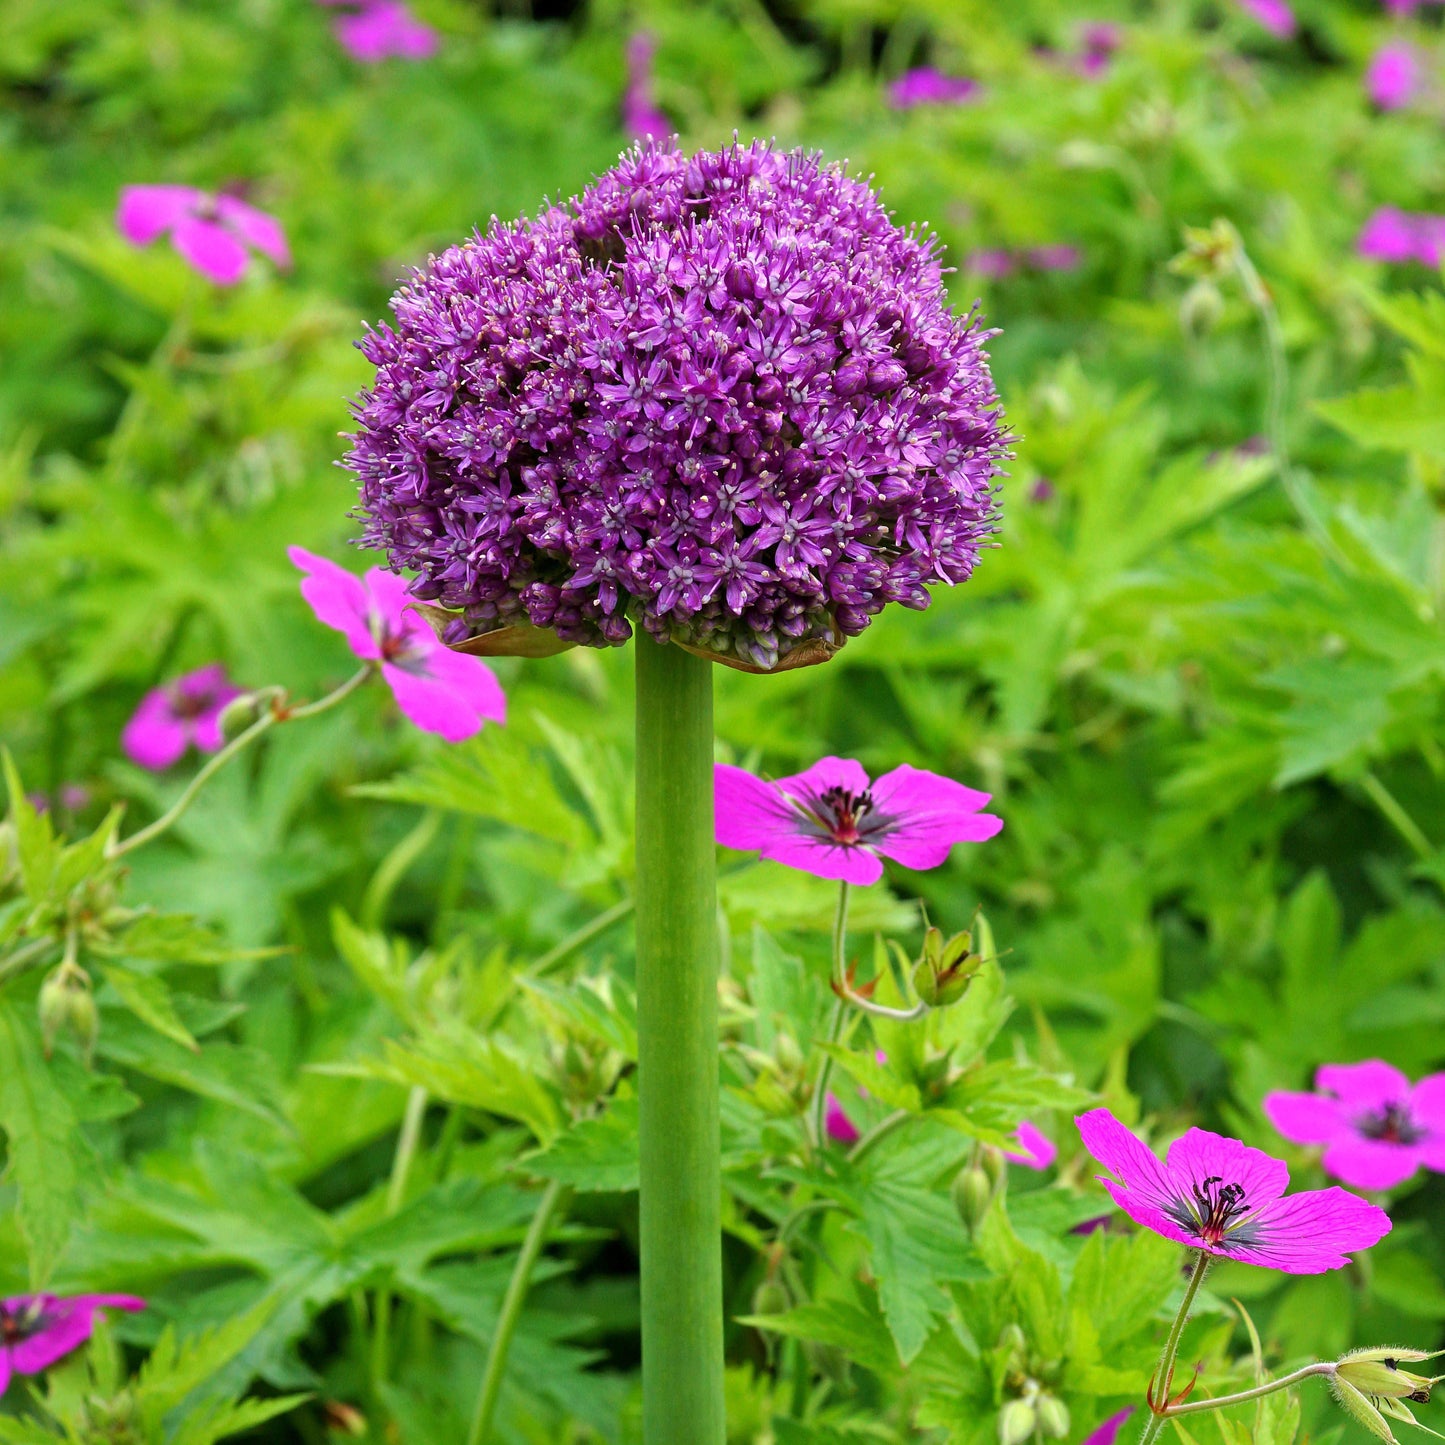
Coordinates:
210	232
181	714
375	30
832	822
441	691
1376	1127
1220	1196
36	1330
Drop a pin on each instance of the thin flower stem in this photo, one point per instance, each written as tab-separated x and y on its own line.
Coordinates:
561	952
1321	1367
238	744
1164	1375
819	1111
393	868
881	1130
24	956
1395	814
879	1010
407	1139
512	1301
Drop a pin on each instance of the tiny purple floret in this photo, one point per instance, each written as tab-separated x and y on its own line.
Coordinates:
1220	1196
832	822
926	86
441	691
1376	1127
1393	79
1035	1149
210	232
36	1330
181	714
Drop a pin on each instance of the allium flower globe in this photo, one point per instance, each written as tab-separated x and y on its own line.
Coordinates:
722	397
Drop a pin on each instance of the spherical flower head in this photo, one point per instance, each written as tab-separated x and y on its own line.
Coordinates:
36	1330
722	397
1220	1196
1377	1128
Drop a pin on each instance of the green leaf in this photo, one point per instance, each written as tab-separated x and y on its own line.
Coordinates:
878	1079
149	999
856	1329
41	1139
595	1155
1031	1281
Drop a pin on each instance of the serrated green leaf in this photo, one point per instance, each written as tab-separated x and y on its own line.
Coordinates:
858	1330
594	1155
149	999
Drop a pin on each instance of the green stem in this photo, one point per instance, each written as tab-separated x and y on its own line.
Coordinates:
561	952
512	1302
1321	1367
839	979
1164	1375
238	744
407	1140
394	866
680	1225
881	1130
1396	815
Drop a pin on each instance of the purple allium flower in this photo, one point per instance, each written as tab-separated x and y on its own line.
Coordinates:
36	1330
831	822
641	118
181	713
210	232
1376	1127
1106	1433
926	86
1274	15
1393	78
439	690
836	1123
721	396
1395	235
1036	1150
374	30
1220	1196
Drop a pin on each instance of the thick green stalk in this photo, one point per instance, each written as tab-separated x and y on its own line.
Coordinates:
1164	1376
677	966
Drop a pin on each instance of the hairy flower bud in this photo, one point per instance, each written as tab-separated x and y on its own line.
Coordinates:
771	1298
67	1003
973	1193
1376	1372
945	968
1013	1347
1016	1422
239	714
1053	1416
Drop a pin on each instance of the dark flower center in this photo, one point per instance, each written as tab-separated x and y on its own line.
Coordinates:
1217	1207
187	705
1390	1125
22	1322
843	813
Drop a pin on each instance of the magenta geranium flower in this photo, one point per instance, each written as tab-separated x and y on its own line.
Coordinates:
838	1126
1274	15
641	118
832	822
181	714
1106	1433
1377	1128
926	86
1394	76
439	690
375	30
210	232
1395	235
36	1330
1098	42
1220	1196
1035	1149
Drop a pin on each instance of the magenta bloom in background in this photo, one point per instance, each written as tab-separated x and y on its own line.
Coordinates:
1098	42
36	1330
1393	78
172	718
641	118
376	30
1053	258
1036	1150
832	822
210	232
1274	15
1220	1196
1395	235
926	86
1106	1433
1376	1127
836	1123
439	690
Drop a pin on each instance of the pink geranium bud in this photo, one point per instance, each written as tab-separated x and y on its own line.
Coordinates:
832	822
441	691
181	714
1274	15
210	232
36	1330
1393	78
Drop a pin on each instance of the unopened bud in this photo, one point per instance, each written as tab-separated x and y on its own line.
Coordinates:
1015	1422
239	714
345	1418
994	1165
1359	1409
771	1298
1200	308
972	1195
1053	1416
66	1002
788	1055
945	969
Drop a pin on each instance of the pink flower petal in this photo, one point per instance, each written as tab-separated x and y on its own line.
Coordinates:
154	737
927	815
255	228
339	599
926	86
468	678
1370	1163
826	773
1274	15
1036	1149
1105	1434
5	1369
384	28
1366	1088
210	248
436	704
68	1323
1141	1175
1198	1155
145	212
1311	1232
1427	1103
390	600
1389	235
824	858
749	813
1394	76
1307	1118
838	1126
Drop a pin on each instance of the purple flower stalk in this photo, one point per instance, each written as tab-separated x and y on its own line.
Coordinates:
36	1330
376	30
181	714
1035	1149
1376	1127
1275	15
832	822
926	86
439	690
641	118
1393	79
210	232
719	396
1395	235
1225	1199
